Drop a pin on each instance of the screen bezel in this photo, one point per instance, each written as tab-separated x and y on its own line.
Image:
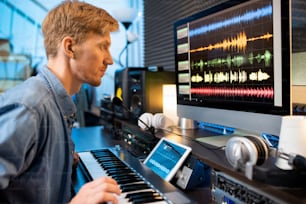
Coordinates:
255	110
178	164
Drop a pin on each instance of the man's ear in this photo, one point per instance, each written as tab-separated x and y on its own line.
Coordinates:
68	45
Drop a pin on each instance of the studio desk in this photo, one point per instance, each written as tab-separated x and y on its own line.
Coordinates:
229	179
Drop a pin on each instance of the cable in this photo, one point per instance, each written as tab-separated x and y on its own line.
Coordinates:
295	160
122	51
193	140
117	101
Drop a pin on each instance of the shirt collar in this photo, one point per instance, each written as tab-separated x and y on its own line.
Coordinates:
61	96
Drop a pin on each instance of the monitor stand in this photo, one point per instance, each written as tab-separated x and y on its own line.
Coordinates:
186	124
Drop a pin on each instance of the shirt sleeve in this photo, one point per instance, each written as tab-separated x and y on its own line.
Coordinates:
18	141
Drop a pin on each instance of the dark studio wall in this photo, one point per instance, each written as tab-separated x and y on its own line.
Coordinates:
159	17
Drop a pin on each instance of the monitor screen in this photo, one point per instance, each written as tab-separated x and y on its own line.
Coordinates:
233	64
166	158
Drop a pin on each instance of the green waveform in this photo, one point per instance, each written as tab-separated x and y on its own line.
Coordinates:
236	61
267	57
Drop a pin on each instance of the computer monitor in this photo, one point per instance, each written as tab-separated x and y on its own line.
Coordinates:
233	65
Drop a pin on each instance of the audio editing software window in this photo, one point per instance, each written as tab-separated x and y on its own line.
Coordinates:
230	53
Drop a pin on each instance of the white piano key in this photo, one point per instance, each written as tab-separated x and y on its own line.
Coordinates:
92	165
96	171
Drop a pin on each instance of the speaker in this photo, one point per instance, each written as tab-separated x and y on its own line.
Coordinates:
292	139
140	91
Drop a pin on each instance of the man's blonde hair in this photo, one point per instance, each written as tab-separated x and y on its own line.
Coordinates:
75	19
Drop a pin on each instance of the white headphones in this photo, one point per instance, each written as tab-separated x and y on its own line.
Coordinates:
246	149
158	120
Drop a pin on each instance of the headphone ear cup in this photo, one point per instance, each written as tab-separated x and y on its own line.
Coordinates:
262	149
161	121
146	118
158	120
240	150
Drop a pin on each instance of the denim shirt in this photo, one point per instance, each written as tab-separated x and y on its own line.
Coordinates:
35	143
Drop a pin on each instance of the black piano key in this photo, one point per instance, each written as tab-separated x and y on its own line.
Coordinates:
109	161
134	187
120	168
111	164
118	175
147	200
116	169
142	194
123	176
126	181
106	157
103	154
117	172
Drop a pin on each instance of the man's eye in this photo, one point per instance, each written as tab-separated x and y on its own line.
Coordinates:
103	47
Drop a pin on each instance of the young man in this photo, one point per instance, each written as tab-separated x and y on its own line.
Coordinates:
36	150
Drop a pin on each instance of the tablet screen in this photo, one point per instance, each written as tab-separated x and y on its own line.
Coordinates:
166	158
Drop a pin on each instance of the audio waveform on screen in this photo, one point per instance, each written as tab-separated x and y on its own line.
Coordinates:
228	55
246	17
259	76
266	92
239	76
229	61
267	57
238	43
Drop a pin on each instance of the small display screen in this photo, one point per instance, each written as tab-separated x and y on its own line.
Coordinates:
166	158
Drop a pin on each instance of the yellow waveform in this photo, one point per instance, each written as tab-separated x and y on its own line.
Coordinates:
220	77
242	76
239	42
259	76
262	37
234	76
208	77
196	78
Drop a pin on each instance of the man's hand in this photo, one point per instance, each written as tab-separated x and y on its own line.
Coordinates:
100	190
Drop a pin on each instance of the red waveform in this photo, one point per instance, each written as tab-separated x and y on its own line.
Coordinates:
265	92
